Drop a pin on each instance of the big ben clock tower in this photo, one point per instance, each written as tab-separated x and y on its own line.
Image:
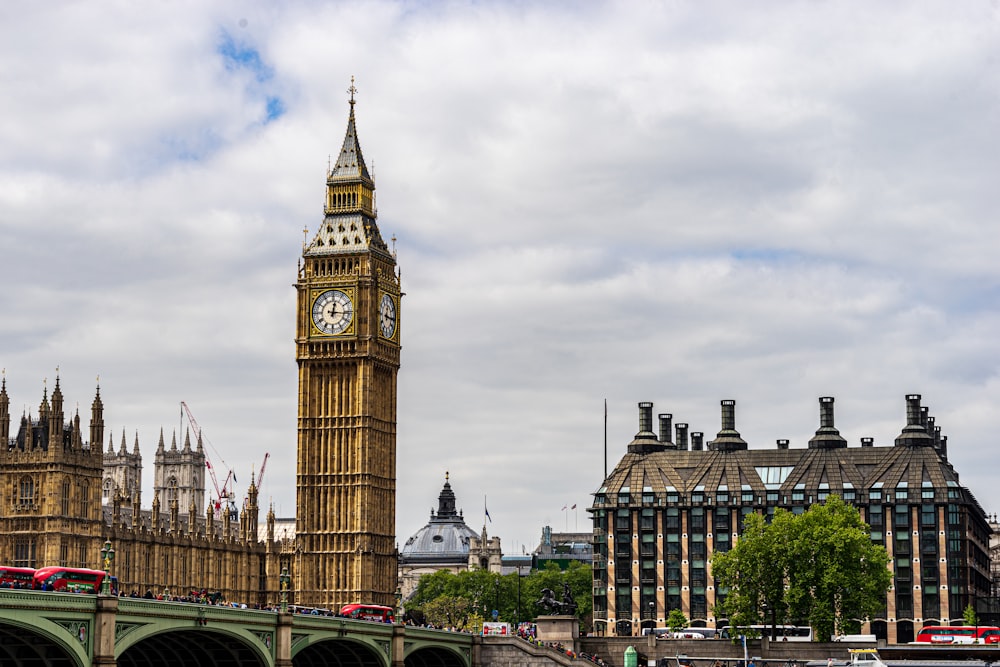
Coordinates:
347	348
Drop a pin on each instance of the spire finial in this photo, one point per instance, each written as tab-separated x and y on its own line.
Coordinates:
446	475
352	90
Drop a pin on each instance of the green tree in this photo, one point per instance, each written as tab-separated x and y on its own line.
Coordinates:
514	600
837	577
970	616
676	620
820	566
448	611
752	574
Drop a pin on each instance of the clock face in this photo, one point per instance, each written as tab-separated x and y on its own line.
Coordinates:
332	312
387	316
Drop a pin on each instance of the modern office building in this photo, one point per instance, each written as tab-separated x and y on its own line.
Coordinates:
672	501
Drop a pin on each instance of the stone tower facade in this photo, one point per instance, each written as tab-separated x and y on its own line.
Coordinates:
122	473
179	474
50	484
347	349
485	552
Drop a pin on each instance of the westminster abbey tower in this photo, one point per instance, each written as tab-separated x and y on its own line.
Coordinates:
347	348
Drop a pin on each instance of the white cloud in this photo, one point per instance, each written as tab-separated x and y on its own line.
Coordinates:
676	202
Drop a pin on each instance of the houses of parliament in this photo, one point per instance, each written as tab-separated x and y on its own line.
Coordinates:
63	494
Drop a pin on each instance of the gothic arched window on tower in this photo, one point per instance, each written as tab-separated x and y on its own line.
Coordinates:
171	489
106	491
64	498
85	500
26	497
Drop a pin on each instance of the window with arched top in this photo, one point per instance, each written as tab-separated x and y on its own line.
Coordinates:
106	490
171	489
64	496
26	491
85	500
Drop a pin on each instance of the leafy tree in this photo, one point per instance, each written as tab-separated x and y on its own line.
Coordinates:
970	616
676	620
752	574
837	577
514	600
448	611
820	566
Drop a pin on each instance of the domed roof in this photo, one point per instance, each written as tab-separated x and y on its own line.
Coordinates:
445	538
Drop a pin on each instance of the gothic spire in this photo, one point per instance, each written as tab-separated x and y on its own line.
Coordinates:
350	164
349	223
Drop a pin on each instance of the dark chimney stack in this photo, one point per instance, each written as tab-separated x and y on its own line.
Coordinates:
827	436
728	439
697	441
782	444
666	426
645	417
645	441
914	434
682	436
867	442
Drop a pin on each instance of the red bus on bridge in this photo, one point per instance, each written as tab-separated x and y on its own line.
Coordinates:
73	579
17	577
367	612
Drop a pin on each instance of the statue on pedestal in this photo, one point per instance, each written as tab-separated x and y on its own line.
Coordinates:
565	607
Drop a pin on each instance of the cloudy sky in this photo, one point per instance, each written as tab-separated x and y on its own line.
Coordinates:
679	202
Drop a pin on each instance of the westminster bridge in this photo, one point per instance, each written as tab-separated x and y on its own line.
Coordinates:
76	630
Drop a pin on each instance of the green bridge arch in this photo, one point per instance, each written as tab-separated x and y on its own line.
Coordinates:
74	630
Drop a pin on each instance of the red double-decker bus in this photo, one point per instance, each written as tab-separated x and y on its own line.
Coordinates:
367	612
17	577
72	579
959	634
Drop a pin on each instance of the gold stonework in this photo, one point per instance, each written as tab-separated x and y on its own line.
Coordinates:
346	480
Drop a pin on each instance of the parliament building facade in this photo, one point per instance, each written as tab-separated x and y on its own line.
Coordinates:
674	500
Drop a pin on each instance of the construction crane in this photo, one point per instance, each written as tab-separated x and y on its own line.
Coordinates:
260	473
223	494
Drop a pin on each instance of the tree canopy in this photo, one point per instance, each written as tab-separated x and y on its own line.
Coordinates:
486	591
819	567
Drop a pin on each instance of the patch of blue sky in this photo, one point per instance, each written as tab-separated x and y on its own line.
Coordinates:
241	57
275	109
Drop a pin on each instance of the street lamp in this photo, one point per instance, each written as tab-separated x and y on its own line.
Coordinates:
107	556
285	579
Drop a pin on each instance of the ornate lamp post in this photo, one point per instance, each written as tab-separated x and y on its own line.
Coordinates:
107	556
285	579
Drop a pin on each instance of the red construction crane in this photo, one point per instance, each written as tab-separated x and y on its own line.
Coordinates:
222	493
260	473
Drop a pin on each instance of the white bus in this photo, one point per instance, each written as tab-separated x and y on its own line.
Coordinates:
787	633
